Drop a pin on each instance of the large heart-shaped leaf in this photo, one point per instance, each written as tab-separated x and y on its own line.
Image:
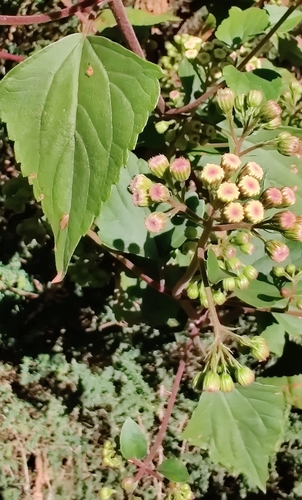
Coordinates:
74	109
241	25
266	80
241	429
275	13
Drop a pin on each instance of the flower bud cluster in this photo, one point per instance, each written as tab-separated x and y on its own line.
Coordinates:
288	277
223	378
109	458
291	101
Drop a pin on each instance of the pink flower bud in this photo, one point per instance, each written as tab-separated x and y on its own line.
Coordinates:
140	198
270	110
227	192
288	197
272	198
259	348
254	211
180	169
288	144
225	100
156	222
229	251
158	165
249	186
233	212
233	264
159	193
244	375
140	182
273	124
247	248
277	250
174	95
295	233
253	169
212	175
230	162
284	220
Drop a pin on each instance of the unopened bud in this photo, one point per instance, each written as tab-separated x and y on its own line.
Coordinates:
159	193
288	197
241	238
254	211
278	271
295	233
247	248
191	233
106	493
229	251
270	110
128	484
227	192
218	297
225	100
140	182
229	284
191	53
233	264
244	375
162	126
226	383
250	272
259	348
211	382
249	186
253	169
193	290
277	250
233	212
193	43
180	169
197	381
141	198
242	282
284	220
240	102
158	165
230	162
212	175
273	124
254	98
156	222
174	95
290	269
287	144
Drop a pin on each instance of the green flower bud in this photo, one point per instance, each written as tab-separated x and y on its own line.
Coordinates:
250	272
193	290
158	165
229	284
259	348
211	382
290	269
225	100
226	383
254	98
278	271
191	233
244	375
270	110
240	103
287	144
189	247
241	238
247	248
242	282
273	124
140	183
106	493
162	126
233	264
128	484
218	297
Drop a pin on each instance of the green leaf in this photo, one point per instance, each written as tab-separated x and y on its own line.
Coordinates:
291	387
266	80
291	324
260	293
241	25
174	470
241	429
74	109
215	273
275	337
137	17
275	13
133	443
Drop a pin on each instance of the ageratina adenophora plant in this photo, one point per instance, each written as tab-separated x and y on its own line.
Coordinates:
212	222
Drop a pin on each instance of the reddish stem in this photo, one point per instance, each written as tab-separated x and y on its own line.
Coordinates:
11	57
164	424
51	16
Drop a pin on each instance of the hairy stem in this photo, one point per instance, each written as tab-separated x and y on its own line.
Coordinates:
164	424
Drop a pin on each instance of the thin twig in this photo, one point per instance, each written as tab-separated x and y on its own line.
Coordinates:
11	57
193	105
51	16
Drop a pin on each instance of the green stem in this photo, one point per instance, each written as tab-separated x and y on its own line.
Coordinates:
256	146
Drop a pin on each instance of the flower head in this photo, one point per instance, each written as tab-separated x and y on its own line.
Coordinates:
254	211
191	53
174	95
272	198
253	169
233	212
249	186
227	192
156	222
180	169
288	197
140	182
285	220
212	175
230	162
159	193
193	43
225	100
277	250
158	165
141	198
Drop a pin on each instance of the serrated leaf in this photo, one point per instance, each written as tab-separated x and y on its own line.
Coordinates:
133	443
291	387
241	25
266	80
74	109
241	429
260	293
275	337
275	13
174	470
137	17
291	324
